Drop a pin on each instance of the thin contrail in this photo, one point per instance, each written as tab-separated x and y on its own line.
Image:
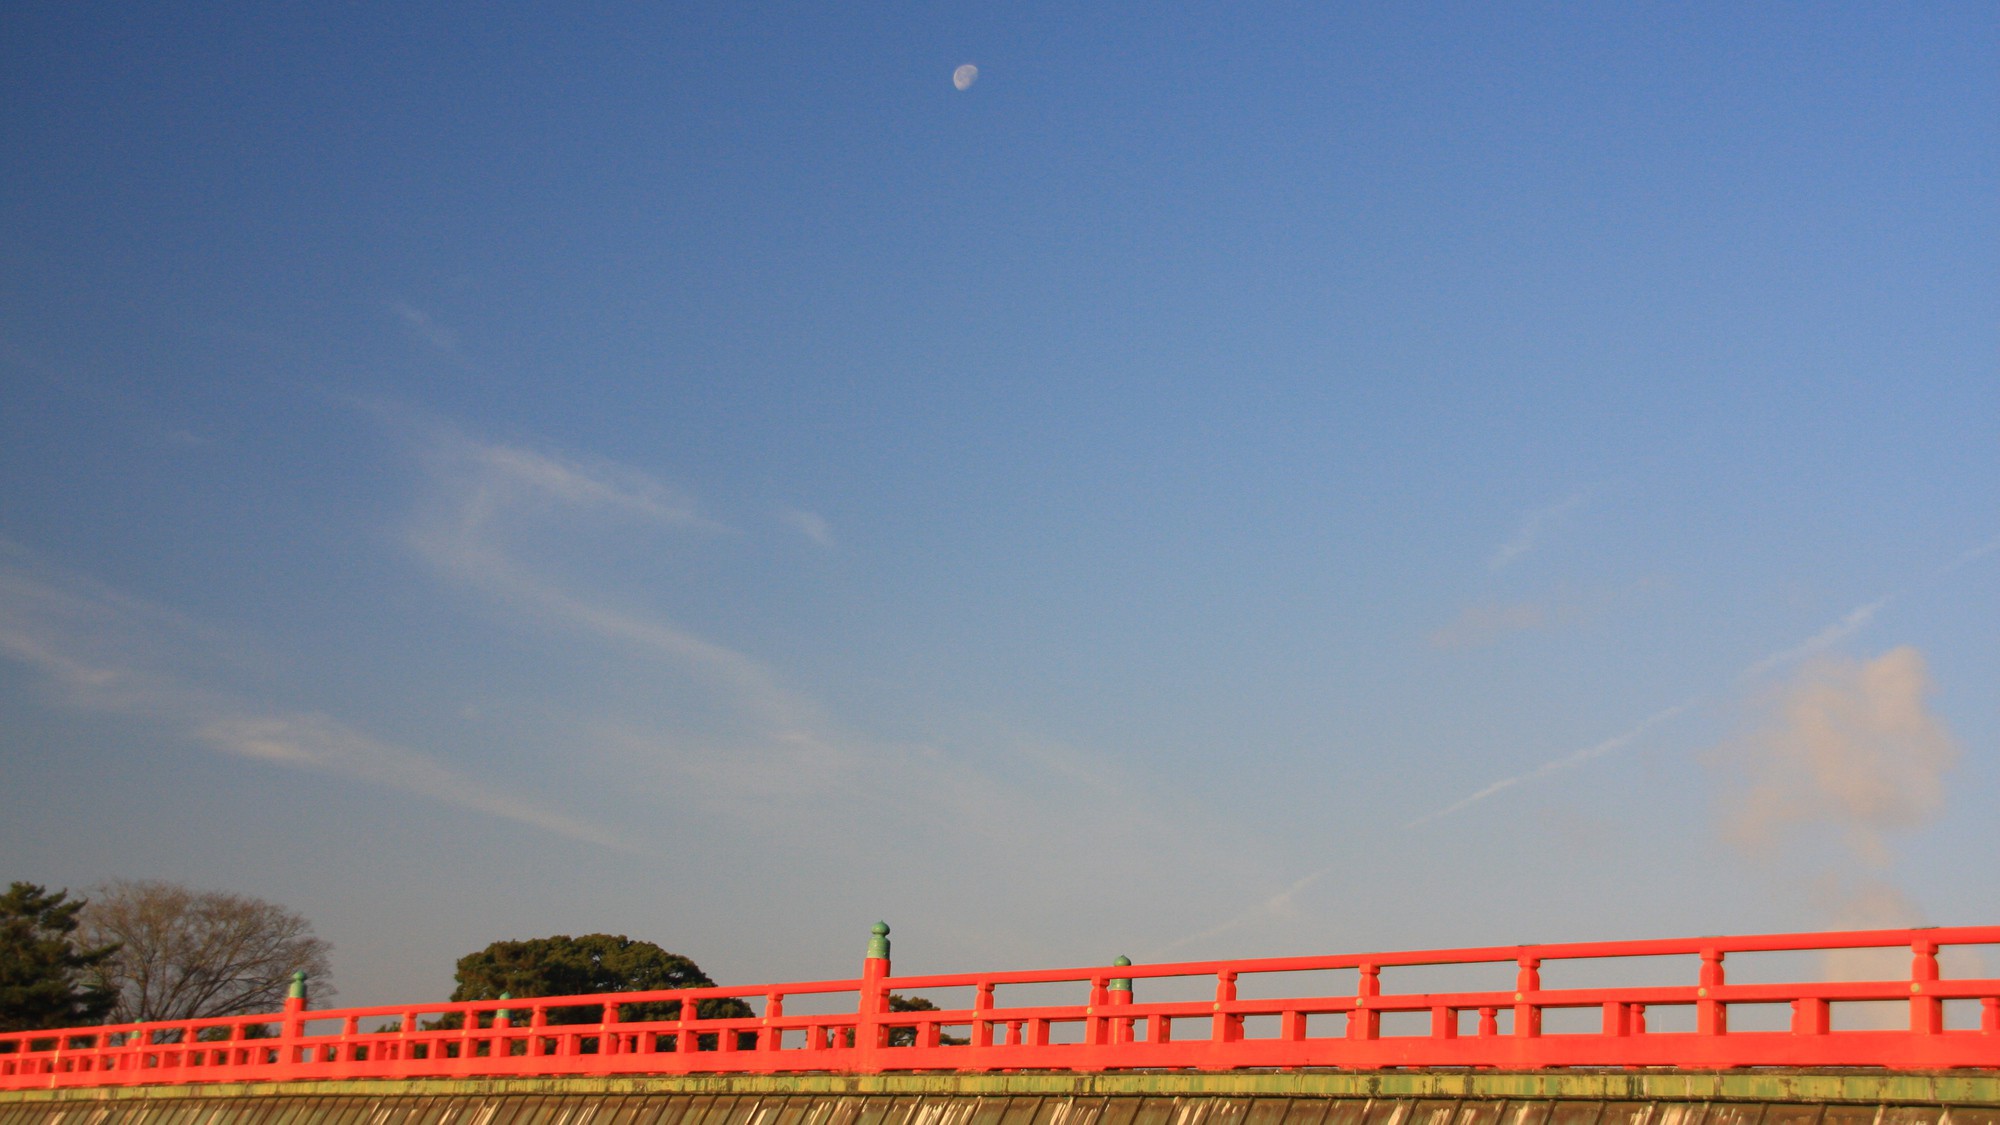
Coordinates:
1969	557
1567	761
1824	639
1269	906
1849	623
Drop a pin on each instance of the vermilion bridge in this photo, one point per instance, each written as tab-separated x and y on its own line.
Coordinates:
1665	1027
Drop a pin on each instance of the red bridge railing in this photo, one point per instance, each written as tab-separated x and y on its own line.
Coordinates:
1694	1002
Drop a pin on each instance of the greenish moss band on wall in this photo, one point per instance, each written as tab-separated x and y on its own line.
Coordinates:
1961	1088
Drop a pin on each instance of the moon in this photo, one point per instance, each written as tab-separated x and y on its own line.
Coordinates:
965	76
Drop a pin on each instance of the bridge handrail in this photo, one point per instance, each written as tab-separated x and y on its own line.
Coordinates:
1113	1028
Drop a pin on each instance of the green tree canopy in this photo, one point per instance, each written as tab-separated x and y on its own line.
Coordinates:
580	966
907	1036
45	977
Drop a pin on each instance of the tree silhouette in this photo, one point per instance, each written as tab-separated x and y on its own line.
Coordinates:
46	978
188	954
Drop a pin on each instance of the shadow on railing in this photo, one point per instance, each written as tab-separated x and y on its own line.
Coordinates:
1668	1004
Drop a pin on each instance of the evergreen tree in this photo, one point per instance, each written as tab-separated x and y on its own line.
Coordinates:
45	978
578	966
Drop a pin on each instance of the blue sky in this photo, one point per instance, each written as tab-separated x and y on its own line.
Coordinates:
1231	481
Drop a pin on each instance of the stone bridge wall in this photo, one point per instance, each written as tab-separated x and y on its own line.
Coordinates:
1129	1098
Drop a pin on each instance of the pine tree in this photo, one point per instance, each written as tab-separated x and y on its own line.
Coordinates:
45	979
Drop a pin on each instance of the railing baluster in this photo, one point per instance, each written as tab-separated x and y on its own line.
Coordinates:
982	1014
1364	1022
1527	982
1228	1028
774	1010
1711	1017
1809	1016
1926	1010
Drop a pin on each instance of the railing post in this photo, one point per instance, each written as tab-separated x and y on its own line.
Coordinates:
1228	1027
1809	1016
291	1028
1364	1022
870	1036
503	1021
1096	1027
468	1039
1617	1019
1527	982
496	1042
687	1040
1118	994
1926	1010
1444	1022
1710	1016
774	1009
982	1015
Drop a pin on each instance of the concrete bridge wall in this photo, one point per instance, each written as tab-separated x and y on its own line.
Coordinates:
1764	1097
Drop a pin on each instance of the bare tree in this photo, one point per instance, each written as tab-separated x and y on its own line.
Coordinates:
188	954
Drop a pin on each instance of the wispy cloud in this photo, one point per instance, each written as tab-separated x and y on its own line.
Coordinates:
525	476
812	525
1529	533
490	503
315	742
99	649
1480	625
1488	623
508	524
486	497
426	328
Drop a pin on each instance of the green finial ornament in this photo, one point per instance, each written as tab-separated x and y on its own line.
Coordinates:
504	1014
878	941
298	989
1121	984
